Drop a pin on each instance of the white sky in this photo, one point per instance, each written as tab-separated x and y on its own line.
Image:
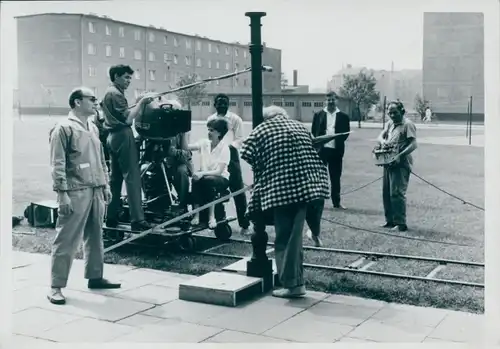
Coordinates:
316	36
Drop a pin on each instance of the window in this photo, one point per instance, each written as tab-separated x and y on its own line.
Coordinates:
236	52
95	89
209	47
233	104
165	58
217	65
152	56
318	104
122	52
217	49
137	55
236	66
108	30
151	37
245	82
121	32
217	82
209	64
227	50
198	45
188	60
165	39
176	42
278	103
306	104
91	27
91	50
236	82
137	74
227	65
165	76
92	71
137	92
137	35
152	75
198	62
289	104
205	103
176	60
188	44
108	50
247	104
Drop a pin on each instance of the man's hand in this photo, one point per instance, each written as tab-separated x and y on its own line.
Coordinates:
107	195
197	175
65	207
148	98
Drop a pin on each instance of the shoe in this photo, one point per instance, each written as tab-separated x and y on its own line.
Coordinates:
56	297
317	241
140	226
102	284
400	227
387	225
294	292
340	207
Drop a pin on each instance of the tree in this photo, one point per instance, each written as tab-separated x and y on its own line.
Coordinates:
420	105
360	89
284	81
192	95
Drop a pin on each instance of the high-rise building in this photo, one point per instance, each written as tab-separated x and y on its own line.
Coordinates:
453	63
60	51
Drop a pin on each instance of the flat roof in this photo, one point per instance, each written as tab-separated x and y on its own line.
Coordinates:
107	18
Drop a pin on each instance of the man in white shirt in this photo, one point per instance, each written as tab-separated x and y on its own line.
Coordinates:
233	138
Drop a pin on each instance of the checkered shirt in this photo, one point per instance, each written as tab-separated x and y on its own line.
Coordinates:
286	167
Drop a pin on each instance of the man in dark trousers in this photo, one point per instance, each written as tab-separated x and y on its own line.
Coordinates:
123	151
328	121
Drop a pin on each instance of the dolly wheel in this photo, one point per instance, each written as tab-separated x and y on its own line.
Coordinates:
223	231
187	243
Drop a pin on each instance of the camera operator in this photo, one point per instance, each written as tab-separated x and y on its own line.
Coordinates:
123	151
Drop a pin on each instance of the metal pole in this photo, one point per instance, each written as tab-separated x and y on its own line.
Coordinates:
470	121
259	265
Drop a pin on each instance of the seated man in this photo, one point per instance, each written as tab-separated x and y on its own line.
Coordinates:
213	177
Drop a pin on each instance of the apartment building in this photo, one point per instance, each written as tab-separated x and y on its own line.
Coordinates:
58	51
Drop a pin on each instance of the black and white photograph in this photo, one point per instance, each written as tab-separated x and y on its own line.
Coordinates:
249	171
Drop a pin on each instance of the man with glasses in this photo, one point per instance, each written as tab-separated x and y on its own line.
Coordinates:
80	180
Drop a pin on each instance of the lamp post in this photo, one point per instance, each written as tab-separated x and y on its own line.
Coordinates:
259	265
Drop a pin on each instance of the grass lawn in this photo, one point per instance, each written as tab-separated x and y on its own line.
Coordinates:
431	215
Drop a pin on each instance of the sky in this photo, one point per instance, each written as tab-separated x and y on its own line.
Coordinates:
317	37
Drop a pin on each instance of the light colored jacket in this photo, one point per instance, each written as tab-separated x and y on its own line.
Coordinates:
77	156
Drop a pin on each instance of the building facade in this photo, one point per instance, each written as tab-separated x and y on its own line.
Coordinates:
453	63
58	51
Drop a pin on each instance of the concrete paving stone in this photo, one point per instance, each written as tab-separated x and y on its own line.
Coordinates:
339	313
20	258
186	311
151	294
173	280
385	332
460	327
308	329
34	321
254	318
140	277
139	320
97	306
27	297
437	340
25	342
229	336
353	340
397	314
311	298
349	300
87	330
169	331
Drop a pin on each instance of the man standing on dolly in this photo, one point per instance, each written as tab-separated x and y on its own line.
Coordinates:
80	178
329	121
233	138
122	147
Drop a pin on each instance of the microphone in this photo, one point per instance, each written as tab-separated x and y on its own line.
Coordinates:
267	68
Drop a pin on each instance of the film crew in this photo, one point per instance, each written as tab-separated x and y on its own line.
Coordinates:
122	147
401	134
328	121
213	176
288	176
80	179
233	138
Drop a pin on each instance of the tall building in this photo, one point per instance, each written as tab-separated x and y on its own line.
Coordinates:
59	51
453	63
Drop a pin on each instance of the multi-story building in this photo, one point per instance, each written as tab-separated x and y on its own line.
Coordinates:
59	51
453	63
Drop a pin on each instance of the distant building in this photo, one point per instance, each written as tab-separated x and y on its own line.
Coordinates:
295	87
59	51
453	63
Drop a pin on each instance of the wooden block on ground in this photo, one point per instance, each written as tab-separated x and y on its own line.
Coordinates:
219	288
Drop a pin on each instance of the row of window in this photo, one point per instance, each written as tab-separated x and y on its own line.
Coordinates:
91	50
152	38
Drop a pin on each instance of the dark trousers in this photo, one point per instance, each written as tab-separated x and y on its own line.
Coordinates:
333	158
180	179
314	213
124	166
235	184
288	224
394	187
205	190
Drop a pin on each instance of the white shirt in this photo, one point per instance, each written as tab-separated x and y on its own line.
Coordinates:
330	125
234	136
210	159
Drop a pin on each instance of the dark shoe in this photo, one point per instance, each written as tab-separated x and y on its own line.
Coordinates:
388	225
140	226
111	223
400	227
56	297
102	284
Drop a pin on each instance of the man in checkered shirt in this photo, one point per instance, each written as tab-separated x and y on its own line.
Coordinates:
288	174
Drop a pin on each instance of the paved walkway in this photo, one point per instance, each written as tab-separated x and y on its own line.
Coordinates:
147	309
